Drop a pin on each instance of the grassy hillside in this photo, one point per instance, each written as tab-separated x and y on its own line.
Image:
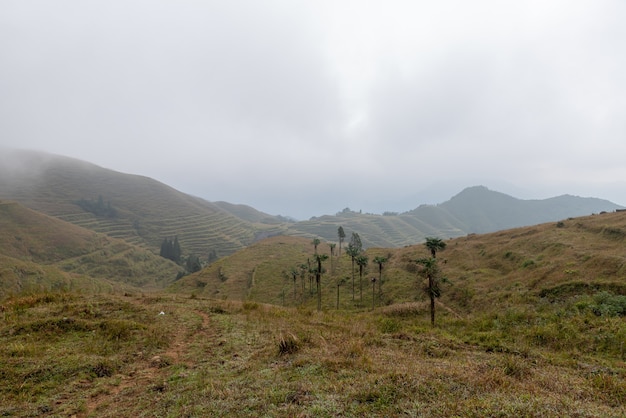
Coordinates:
517	261
109	356
531	323
144	211
42	252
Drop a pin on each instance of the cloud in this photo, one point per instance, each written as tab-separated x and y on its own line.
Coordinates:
305	108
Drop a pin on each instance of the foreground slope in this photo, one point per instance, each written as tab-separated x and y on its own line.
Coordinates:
42	252
108	356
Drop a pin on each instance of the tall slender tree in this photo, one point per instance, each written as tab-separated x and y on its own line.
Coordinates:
315	242
342	236
380	260
303	269
353	250
361	261
318	278
332	246
293	273
430	270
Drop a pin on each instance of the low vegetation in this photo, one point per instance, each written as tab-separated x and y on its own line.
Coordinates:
530	322
146	355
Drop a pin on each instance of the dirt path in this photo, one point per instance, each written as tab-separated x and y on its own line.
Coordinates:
151	371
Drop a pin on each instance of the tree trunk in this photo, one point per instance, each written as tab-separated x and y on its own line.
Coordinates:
373	295
352	278
432	301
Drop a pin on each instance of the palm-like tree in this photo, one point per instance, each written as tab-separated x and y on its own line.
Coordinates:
332	246
303	269
380	260
361	261
293	273
434	245
315	242
354	249
342	235
430	270
318	278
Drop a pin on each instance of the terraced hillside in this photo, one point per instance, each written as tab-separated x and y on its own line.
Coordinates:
145	210
43	252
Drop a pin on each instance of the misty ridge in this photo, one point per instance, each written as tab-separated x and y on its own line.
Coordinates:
146	211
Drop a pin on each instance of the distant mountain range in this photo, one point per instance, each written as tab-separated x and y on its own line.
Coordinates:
144	211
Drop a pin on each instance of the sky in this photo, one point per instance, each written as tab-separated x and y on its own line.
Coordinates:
303	108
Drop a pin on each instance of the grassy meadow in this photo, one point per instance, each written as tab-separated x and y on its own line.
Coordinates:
531	322
77	355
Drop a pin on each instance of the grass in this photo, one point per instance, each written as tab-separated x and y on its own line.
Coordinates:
67	354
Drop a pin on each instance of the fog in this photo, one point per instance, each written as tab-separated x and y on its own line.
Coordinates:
305	108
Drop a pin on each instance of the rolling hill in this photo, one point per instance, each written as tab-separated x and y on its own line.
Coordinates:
143	211
41	252
565	258
530	323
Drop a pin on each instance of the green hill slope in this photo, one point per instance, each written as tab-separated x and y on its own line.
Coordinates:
46	252
137	209
584	255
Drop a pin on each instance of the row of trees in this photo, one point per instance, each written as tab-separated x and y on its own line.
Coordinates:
98	207
170	249
428	268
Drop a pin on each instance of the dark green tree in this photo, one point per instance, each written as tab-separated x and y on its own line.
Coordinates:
293	273
332	246
318	278
315	242
380	260
361	261
353	250
193	263
430	270
170	249
303	269
342	236
434	245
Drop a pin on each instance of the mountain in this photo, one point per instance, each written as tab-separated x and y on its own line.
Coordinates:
478	210
143	211
474	210
137	209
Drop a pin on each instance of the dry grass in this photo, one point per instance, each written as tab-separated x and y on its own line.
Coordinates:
116	356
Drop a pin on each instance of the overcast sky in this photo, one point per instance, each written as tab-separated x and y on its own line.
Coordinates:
303	108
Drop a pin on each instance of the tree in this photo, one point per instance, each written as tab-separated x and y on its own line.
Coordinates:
361	261
342	236
430	270
380	260
318	278
303	269
170	249
434	245
315	242
354	249
332	246
293	273
193	263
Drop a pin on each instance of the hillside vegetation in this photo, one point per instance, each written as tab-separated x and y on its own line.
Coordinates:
532	322
144	212
39	252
